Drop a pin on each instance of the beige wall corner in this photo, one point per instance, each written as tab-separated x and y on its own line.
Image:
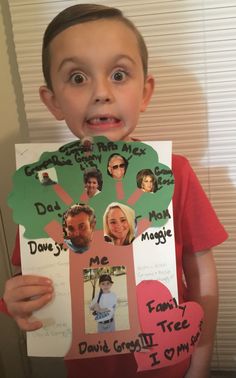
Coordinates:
12	116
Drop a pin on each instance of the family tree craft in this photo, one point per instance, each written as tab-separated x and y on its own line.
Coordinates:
124	190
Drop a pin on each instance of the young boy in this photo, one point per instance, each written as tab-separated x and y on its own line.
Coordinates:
104	305
95	68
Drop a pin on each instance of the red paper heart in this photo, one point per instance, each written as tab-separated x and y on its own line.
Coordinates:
171	330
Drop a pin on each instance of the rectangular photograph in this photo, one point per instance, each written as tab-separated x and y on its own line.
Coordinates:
105	300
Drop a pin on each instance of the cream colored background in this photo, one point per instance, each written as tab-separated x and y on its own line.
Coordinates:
11	340
13	360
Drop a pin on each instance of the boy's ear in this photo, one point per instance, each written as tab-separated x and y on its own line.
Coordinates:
147	91
48	98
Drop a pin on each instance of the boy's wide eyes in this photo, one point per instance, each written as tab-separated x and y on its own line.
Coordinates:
119	75
77	78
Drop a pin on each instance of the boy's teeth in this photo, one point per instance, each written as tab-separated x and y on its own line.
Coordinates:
95	121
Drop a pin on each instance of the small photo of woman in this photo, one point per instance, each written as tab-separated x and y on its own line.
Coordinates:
146	181
119	224
93	182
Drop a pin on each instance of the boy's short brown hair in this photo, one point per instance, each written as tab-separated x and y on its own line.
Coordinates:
81	13
105	277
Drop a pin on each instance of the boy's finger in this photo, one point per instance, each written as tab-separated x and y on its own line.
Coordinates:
27	280
27	325
25	308
23	293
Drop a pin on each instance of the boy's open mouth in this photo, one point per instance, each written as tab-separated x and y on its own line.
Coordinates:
102	120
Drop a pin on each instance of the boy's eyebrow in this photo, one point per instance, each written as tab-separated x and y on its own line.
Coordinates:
67	60
124	56
76	60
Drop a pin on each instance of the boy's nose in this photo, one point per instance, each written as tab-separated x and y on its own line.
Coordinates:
102	92
102	99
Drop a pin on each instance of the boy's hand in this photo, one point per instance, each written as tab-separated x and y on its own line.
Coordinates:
25	294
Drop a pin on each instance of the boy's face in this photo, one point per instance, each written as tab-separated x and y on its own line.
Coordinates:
97	78
105	286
